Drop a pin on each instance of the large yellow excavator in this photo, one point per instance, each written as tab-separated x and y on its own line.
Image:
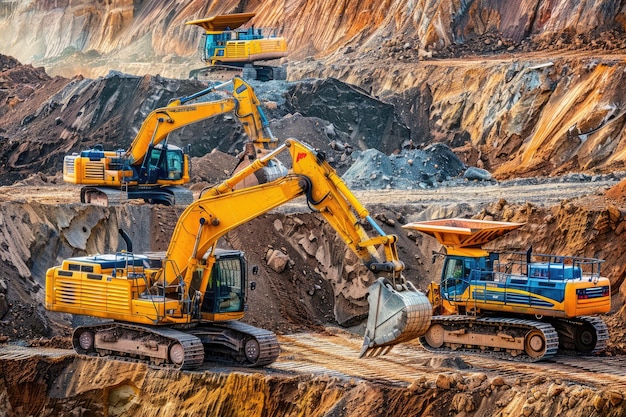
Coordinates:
152	170
182	307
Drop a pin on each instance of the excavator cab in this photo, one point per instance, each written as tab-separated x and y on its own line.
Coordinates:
163	162
455	279
225	292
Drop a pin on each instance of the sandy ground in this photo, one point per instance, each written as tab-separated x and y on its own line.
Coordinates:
538	193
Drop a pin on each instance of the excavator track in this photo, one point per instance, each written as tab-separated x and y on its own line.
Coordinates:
584	335
215	73
237	343
101	196
158	345
169	195
182	196
505	338
232	342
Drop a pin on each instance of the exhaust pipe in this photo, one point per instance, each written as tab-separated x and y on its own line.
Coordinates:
129	243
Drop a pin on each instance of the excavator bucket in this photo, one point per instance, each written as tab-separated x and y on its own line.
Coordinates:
395	316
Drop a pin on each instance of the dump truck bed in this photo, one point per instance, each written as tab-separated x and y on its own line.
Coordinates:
462	233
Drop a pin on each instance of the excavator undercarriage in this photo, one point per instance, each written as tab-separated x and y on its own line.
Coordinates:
515	338
108	196
180	347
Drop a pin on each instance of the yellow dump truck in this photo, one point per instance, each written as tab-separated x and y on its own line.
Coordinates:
228	46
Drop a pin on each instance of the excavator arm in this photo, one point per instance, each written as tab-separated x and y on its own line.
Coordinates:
398	313
177	114
223	208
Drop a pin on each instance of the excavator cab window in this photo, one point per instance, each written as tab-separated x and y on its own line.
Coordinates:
214	44
175	164
165	163
209	46
155	161
225	292
455	278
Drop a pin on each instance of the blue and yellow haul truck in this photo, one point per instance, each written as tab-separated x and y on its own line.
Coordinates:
229	44
512	304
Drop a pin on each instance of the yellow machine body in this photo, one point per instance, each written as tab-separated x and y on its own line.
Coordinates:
150	165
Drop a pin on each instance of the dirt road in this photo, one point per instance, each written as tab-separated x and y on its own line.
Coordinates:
334	353
538	192
337	355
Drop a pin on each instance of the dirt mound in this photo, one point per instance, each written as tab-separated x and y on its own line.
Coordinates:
212	167
370	122
617	192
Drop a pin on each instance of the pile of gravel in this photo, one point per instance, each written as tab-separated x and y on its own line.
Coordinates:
410	169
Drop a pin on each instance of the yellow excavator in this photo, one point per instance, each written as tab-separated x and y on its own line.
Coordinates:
229	47
515	305
152	170
182	307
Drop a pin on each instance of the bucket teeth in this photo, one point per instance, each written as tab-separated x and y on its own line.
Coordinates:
395	316
375	351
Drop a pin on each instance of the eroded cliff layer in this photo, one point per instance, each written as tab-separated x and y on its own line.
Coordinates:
35	30
56	383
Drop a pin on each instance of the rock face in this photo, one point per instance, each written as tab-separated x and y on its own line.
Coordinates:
522	119
62	385
369	122
134	31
